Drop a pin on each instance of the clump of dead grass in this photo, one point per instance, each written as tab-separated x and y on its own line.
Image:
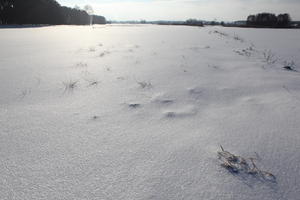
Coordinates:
238	164
269	57
144	84
70	85
238	38
289	65
219	33
92	82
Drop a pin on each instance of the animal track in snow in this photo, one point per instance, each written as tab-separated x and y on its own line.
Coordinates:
92	49
181	112
134	105
195	92
162	99
104	53
81	65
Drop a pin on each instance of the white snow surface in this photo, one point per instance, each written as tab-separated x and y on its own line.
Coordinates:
123	112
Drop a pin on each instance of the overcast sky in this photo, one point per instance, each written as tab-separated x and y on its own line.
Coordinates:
221	10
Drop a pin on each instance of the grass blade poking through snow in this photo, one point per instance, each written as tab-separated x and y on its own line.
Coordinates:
70	85
238	164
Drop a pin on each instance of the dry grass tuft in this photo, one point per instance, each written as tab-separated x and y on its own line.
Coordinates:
289	65
238	38
70	85
238	164
25	93
219	33
92	82
144	84
269	57
81	64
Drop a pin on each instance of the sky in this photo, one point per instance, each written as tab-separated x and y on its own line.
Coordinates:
221	10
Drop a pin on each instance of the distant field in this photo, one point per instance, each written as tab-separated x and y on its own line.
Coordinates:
127	112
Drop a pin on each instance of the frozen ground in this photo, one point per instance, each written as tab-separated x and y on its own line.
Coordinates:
138	112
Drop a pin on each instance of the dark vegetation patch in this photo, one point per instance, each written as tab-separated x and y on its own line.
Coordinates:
244	166
44	12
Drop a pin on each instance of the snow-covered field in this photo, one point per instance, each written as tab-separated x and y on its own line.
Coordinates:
132	112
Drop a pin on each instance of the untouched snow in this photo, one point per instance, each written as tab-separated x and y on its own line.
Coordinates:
126	112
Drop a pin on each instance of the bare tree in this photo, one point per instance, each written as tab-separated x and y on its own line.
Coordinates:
76	7
90	11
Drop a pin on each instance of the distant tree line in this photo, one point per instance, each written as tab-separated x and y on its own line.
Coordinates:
269	20
193	22
189	22
44	12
